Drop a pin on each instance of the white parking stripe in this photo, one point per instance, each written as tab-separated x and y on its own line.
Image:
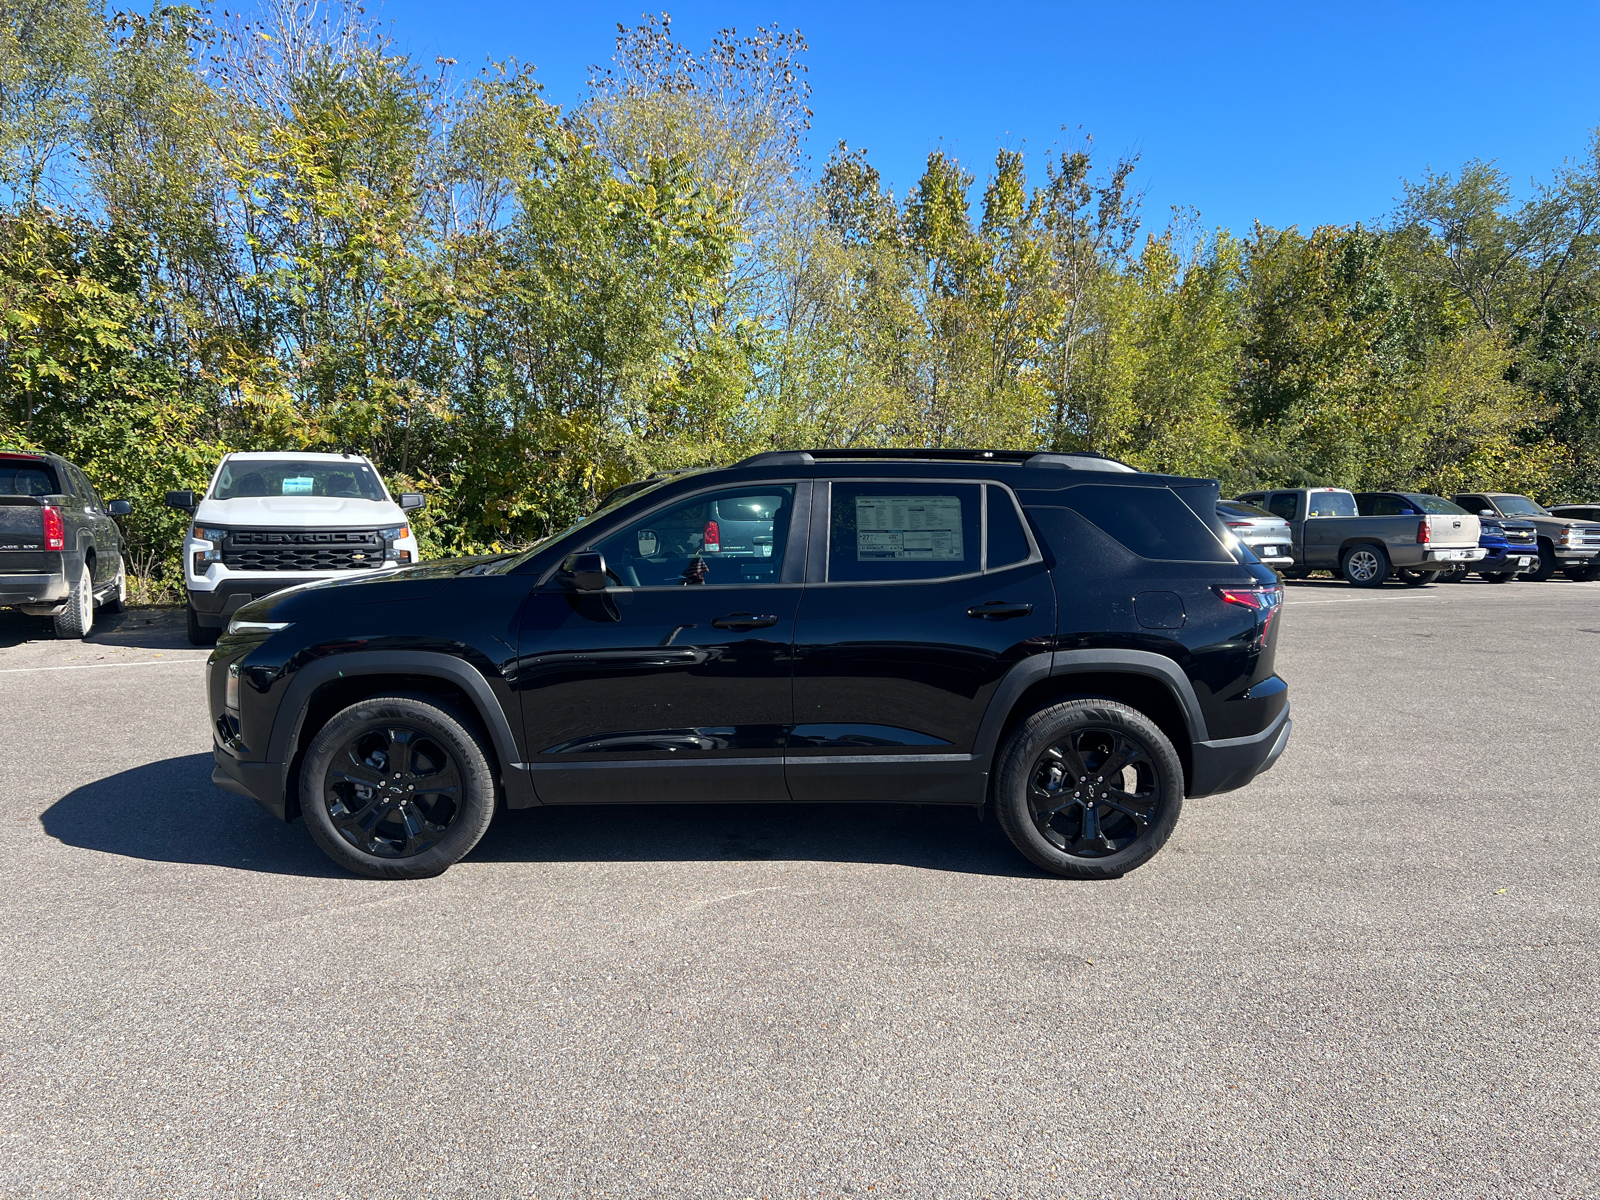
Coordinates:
154	662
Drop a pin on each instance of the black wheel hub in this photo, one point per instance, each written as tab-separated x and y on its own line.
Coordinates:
392	791
1094	793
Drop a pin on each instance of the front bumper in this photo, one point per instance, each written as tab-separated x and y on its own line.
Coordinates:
34	587
232	592
1578	556
1229	763
260	781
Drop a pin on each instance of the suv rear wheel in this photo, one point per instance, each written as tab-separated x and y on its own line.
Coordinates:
397	787
77	618
1088	789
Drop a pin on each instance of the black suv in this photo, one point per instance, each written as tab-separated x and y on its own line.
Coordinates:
1076	642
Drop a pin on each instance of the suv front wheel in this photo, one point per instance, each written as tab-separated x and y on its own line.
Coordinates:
397	787
1088	789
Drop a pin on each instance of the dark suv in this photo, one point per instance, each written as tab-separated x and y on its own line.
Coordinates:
1058	635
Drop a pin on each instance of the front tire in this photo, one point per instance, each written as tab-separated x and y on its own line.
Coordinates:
1581	574
1088	789
1546	566
77	618
1417	578
1500	577
1365	566
397	787
200	635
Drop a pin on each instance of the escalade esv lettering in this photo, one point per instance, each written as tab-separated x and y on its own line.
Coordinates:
1075	643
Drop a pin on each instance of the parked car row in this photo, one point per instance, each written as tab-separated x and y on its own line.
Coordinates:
1368	538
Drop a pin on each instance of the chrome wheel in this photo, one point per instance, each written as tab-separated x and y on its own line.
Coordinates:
392	791
1362	565
1095	792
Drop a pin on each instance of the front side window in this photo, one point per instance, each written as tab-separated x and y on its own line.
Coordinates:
882	532
733	537
258	478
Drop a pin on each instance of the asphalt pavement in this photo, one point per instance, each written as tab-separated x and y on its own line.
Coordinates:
1373	972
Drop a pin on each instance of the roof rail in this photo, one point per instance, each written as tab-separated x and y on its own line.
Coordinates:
1083	460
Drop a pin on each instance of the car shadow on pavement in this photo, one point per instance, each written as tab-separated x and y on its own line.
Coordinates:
169	811
934	837
154	628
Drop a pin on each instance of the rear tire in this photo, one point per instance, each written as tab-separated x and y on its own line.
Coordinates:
1501	577
1365	565
1417	578
1294	574
77	618
1049	809
397	787
200	635
1581	574
1455	574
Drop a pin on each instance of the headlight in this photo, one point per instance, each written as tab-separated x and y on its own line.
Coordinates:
238	626
395	534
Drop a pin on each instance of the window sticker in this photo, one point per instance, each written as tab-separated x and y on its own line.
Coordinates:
297	485
920	528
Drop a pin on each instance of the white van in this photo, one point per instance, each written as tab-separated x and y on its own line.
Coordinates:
272	519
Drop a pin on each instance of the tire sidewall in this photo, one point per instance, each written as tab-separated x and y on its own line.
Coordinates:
1050	725
77	619
1384	567
459	739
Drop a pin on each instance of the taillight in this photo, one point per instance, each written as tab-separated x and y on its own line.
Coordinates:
1263	600
55	533
713	538
1424	534
1240	524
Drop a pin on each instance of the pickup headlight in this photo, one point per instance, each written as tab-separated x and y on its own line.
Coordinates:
395	534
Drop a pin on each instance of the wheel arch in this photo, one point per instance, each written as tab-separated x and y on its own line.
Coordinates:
322	689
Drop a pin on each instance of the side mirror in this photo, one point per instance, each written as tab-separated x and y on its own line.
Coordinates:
1486	512
411	501
119	508
587	569
183	500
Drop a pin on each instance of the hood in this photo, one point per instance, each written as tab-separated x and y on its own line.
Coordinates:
407	583
298	512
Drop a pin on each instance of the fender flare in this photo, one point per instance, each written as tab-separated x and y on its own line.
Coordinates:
297	700
1082	662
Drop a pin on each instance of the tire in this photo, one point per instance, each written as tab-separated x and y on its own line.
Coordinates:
1088	733
200	635
1294	574
1417	578
1365	565
356	766
1546	566
77	618
1501	577
1581	574
118	600
1455	574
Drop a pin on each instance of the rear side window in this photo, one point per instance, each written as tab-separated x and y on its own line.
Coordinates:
1152	522
1007	542
1284	504
27	479
903	531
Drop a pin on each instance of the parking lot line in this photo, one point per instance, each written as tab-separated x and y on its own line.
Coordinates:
153	662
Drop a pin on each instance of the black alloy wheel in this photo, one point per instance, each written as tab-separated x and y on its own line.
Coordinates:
1365	565
397	787
1089	789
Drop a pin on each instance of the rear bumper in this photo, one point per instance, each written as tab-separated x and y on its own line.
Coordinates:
1441	557
1222	766
33	587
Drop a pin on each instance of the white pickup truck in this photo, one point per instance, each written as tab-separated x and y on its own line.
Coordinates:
270	520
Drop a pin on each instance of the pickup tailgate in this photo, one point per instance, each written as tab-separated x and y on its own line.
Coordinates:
1453	532
22	537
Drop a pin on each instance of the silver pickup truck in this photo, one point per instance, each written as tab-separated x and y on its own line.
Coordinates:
1330	535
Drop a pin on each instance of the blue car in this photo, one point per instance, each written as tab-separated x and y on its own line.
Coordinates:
1513	547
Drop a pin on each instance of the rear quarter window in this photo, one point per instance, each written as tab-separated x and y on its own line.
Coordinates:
1151	522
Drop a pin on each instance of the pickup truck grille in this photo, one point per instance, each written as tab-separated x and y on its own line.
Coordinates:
1520	536
303	550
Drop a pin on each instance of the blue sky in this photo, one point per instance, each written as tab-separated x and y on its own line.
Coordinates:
1290	114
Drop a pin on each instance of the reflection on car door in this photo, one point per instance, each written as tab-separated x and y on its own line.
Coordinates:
674	685
906	628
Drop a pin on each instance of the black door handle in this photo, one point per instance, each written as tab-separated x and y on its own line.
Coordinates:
743	621
999	610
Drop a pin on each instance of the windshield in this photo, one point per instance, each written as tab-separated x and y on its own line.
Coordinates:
254	477
1520	506
1329	503
1436	506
